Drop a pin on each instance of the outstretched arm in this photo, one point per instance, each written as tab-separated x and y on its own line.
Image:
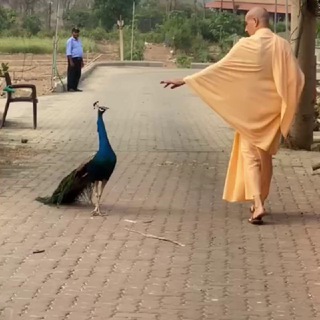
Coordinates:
230	61
173	83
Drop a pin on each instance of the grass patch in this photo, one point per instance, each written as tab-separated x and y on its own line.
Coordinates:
12	45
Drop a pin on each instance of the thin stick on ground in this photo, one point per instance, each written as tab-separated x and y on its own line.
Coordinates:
147	235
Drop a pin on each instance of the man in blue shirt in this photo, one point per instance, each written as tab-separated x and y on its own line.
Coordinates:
75	60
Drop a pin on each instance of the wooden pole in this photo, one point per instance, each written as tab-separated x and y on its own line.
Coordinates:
55	46
287	21
120	24
275	16
132	30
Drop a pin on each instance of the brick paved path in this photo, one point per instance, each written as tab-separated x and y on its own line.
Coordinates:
172	158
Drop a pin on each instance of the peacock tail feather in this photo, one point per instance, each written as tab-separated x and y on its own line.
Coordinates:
74	187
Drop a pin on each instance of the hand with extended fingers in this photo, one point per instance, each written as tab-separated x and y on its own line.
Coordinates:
173	83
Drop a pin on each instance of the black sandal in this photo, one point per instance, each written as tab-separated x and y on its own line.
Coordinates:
256	221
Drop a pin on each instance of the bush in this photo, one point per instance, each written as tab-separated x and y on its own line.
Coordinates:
138	45
200	50
39	46
280	27
178	31
15	32
98	34
137	54
156	36
222	25
183	61
3	69
80	18
46	34
113	35
7	18
205	29
32	24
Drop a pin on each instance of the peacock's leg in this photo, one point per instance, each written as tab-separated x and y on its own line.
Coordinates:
102	185
98	194
96	210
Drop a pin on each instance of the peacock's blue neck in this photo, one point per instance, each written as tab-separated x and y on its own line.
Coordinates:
105	148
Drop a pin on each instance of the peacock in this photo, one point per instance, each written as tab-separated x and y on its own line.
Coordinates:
90	176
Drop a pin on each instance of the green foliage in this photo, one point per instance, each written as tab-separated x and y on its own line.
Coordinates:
14	32
32	24
182	37
280	27
205	29
7	18
200	50
191	34
185	30
109	11
149	15
138	45
113	35
222	25
3	69
39	46
183	61
179	31
44	33
97	34
137	53
146	24
80	18
156	36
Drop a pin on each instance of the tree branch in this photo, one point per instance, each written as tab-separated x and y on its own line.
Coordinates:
147	235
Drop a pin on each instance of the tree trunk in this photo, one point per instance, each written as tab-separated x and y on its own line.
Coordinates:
303	26
234	7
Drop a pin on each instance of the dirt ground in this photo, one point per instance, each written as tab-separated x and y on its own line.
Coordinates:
12	154
37	69
158	52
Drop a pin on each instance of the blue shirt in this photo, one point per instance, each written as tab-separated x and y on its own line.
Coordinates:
74	48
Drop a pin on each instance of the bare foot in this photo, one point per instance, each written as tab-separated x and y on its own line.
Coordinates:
259	213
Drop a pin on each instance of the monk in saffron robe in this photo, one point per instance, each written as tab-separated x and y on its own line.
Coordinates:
256	89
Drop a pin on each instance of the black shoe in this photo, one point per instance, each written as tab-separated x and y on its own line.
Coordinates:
71	90
79	90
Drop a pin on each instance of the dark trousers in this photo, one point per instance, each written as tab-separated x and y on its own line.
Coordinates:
74	73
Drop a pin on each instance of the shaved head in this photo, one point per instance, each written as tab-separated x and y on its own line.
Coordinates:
259	13
256	18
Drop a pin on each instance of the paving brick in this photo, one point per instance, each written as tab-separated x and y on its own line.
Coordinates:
173	154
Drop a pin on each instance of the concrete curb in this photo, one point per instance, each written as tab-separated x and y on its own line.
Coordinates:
199	65
86	72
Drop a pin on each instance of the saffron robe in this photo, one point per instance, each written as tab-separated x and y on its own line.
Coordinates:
256	89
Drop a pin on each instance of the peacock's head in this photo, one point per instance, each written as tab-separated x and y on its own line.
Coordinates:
101	109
